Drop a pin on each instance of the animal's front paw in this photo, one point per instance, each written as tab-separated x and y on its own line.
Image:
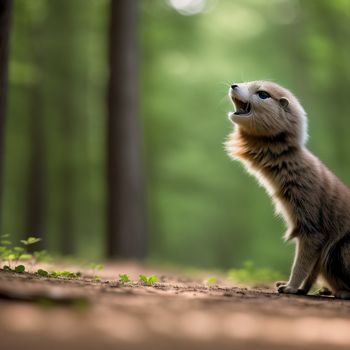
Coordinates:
286	289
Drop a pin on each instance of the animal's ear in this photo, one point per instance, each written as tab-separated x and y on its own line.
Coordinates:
284	102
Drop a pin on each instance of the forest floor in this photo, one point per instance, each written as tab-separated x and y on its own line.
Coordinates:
175	313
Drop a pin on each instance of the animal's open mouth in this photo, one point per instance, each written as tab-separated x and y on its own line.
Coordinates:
241	107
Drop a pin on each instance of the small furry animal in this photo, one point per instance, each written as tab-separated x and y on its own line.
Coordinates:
269	137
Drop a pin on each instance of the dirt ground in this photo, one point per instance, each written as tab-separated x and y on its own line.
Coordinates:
175	313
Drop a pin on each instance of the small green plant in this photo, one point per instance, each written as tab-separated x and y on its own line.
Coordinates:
10	256
211	280
42	273
4	241
96	267
30	240
65	274
248	273
57	274
20	268
13	254
124	278
148	280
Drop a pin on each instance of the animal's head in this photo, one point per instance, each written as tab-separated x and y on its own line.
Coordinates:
266	109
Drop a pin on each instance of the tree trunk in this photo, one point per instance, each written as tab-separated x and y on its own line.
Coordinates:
126	219
36	178
5	16
36	207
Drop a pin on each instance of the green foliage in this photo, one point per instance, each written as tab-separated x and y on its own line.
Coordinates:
248	273
65	274
10	256
30	240
18	250
42	273
148	280
20	268
5	242
124	278
211	280
16	253
96	267
26	257
58	274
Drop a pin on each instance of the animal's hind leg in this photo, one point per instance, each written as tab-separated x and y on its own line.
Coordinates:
338	267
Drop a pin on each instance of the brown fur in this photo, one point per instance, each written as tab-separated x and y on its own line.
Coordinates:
315	204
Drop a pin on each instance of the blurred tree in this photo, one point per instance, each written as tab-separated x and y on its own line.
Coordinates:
36	183
126	222
5	16
61	67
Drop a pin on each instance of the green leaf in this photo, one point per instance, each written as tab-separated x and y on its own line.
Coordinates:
18	249
66	274
97	279
143	278
5	242
69	274
152	279
7	268
42	273
26	257
124	278
148	280
212	280
20	268
11	257
30	240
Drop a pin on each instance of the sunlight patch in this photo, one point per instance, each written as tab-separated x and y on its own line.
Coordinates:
188	7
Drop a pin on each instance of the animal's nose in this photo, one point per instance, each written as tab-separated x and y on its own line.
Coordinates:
233	86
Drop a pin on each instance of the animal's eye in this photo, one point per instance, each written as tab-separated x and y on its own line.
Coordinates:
263	95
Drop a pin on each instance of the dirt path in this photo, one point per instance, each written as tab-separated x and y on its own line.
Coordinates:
172	314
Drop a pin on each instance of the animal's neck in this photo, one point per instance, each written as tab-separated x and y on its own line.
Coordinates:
272	160
264	152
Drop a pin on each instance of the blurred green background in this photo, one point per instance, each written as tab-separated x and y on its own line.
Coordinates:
203	210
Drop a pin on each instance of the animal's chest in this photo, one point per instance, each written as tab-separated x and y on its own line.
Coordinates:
277	187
